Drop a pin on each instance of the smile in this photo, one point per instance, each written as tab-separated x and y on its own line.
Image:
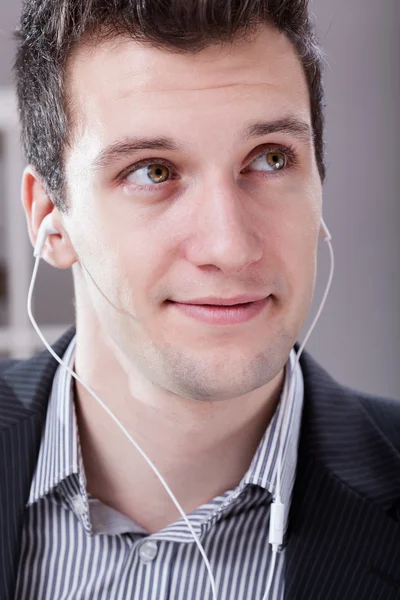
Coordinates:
222	315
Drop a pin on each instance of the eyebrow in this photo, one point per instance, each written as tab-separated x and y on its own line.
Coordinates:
299	129
127	146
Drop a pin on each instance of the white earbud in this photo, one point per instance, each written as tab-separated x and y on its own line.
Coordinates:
46	228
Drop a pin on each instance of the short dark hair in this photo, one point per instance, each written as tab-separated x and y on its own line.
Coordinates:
49	32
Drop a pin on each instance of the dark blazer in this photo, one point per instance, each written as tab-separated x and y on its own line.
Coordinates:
343	541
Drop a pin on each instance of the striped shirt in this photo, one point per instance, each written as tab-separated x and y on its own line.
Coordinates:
74	547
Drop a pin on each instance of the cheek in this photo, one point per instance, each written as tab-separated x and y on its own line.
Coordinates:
126	254
298	243
129	270
303	271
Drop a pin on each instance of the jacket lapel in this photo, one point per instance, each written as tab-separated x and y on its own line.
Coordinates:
342	544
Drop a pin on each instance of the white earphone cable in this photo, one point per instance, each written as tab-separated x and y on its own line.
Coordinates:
278	484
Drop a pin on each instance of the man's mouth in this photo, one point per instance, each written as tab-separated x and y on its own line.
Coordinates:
222	314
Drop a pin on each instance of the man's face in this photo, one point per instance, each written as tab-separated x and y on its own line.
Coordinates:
217	206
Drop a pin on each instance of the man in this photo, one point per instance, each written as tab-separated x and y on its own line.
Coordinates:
179	149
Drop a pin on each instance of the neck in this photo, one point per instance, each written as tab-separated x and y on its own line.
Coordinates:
202	449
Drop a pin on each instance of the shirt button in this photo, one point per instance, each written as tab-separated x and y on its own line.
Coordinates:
148	551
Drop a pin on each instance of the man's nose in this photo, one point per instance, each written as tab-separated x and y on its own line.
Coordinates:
225	230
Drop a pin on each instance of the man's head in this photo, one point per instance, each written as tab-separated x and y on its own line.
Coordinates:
181	144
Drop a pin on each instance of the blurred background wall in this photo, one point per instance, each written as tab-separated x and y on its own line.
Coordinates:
358	336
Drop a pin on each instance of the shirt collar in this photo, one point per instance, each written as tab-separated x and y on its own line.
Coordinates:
59	454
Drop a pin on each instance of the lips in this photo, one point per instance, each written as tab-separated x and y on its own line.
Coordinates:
231	314
222	306
219	301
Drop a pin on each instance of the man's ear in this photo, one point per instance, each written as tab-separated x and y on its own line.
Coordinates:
58	250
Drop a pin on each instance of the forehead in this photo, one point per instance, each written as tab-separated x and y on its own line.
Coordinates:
122	86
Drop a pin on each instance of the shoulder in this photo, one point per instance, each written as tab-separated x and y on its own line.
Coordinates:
25	387
7	366
343	414
14	392
383	412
